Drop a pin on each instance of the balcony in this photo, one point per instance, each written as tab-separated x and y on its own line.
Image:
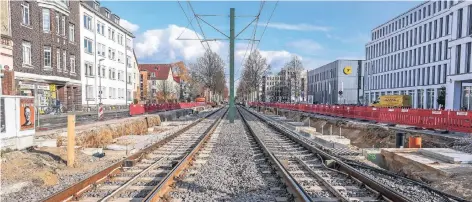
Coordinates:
7	42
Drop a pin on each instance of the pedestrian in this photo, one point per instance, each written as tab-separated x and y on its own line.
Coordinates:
58	106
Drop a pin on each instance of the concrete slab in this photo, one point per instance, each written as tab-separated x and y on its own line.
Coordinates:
332	141
447	155
415	162
308	131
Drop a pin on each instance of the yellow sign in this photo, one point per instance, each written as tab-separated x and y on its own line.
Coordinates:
52	88
347	70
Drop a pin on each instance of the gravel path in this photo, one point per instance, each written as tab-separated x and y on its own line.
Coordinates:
230	170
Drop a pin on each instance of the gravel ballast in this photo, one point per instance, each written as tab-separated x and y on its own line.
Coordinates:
33	176
230	171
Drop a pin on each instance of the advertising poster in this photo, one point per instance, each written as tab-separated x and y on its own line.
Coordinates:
27	113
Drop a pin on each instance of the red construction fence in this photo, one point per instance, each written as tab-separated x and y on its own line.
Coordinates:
138	109
459	121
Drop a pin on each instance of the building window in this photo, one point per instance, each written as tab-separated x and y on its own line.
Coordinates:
107	14
47	57
469	31
58	59
64	59
90	94
96	6
72	63
46	20
71	32
101	49
26	49
63	25
467	59
458	59
25	13
459	23
101	29
120	57
88	45
58	26
88	22
447	25
89	69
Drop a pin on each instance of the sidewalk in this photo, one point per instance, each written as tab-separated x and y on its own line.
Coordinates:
80	113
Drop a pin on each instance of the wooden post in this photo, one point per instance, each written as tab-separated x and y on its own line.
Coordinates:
70	140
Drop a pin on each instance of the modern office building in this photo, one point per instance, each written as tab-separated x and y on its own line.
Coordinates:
46	52
422	52
338	82
106	62
459	77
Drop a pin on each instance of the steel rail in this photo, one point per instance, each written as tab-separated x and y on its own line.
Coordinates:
74	191
388	173
164	186
297	191
382	189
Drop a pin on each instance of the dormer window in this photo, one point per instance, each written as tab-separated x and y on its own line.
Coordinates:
107	14
96	6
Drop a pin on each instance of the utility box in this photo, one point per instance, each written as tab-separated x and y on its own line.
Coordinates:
17	122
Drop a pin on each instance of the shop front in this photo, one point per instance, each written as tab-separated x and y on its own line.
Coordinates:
51	96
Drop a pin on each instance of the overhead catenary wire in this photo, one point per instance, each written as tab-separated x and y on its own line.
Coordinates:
260	39
199	25
190	22
255	28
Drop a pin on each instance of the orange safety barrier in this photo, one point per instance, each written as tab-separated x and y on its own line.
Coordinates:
136	109
414	142
460	121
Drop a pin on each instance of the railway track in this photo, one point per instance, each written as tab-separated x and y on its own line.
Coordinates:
319	176
145	172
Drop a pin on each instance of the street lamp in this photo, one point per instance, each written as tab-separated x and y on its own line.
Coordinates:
100	80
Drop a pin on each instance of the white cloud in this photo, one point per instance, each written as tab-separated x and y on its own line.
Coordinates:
161	45
305	45
296	27
128	25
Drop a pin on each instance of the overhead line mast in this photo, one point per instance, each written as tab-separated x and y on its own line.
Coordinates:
231	38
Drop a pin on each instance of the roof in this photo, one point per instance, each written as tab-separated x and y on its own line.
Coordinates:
177	79
86	5
160	70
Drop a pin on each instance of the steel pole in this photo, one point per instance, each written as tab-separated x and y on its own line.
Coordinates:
231	67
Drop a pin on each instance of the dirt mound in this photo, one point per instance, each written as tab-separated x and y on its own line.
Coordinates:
103	135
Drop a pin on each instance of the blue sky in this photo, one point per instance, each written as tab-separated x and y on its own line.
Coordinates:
319	32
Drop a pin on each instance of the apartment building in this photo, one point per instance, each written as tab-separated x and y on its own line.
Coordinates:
420	52
271	88
7	86
46	53
158	83
106	62
338	82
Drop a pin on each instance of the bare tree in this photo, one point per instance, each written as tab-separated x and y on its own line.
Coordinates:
209	71
292	76
255	67
165	90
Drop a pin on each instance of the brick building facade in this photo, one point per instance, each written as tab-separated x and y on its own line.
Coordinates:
47	51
